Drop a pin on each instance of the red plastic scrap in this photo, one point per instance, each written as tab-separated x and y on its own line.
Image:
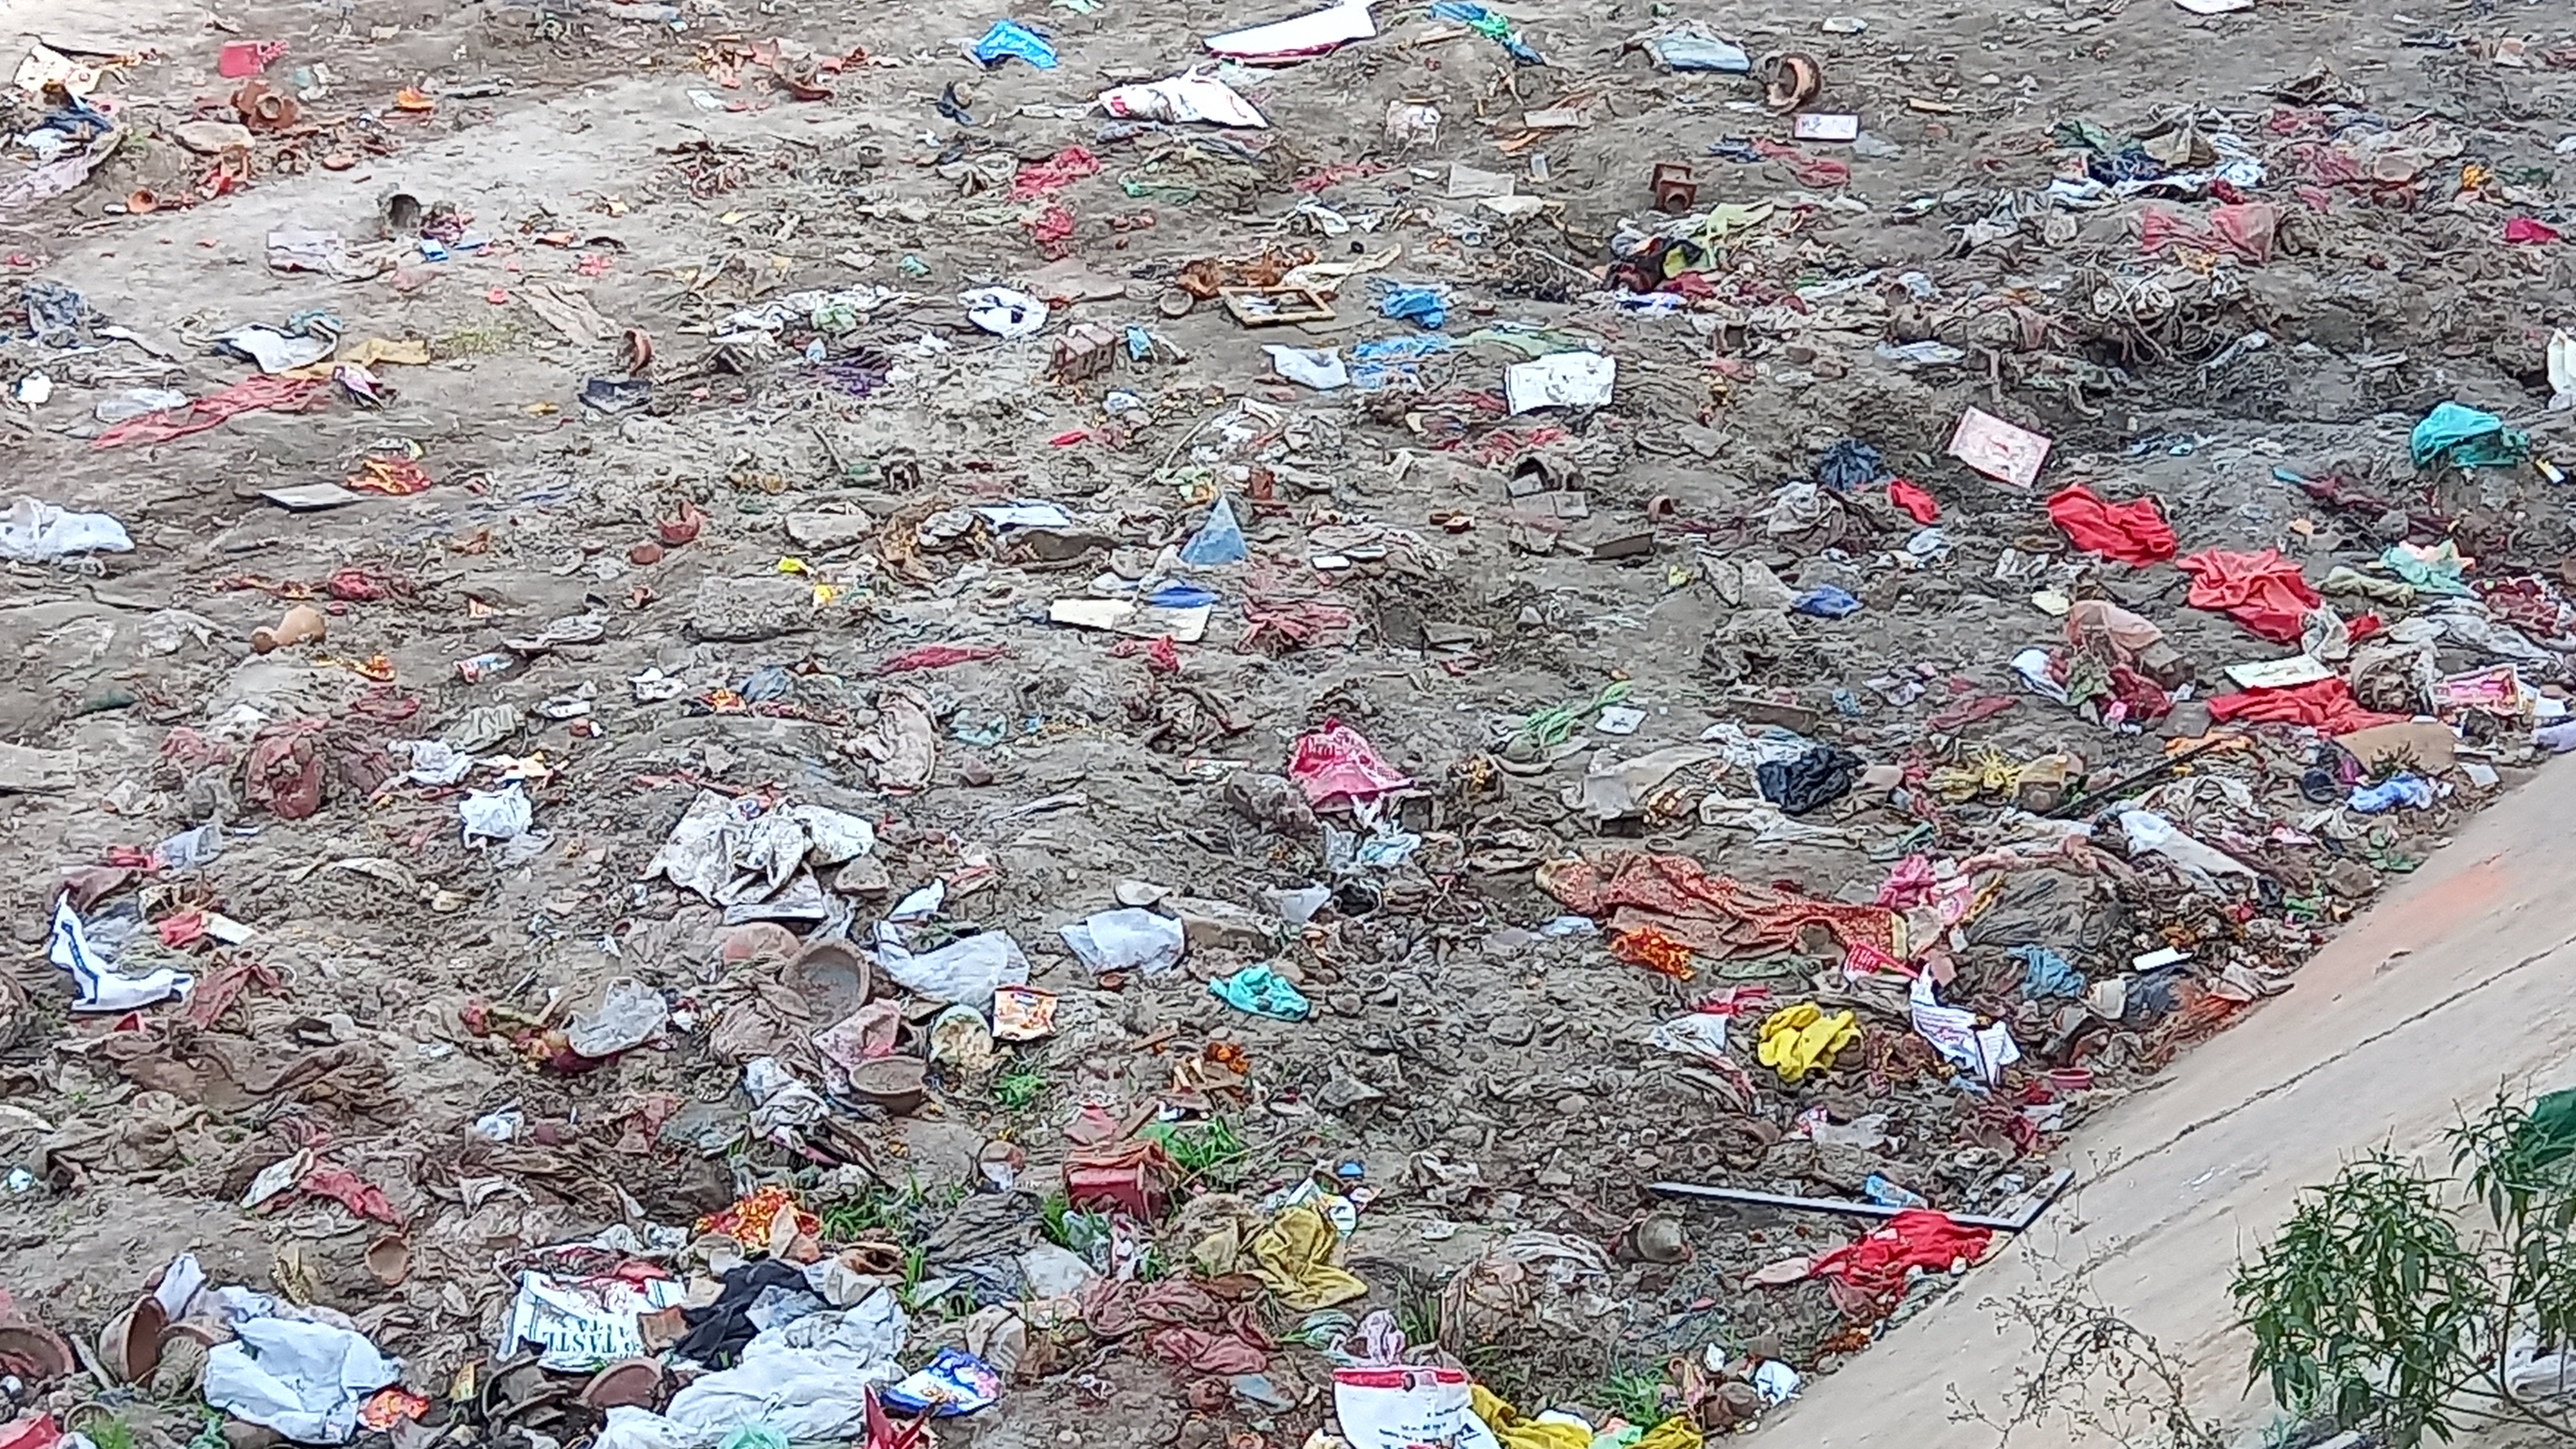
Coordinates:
1279	625
392	477
2262	591
1655	951
2326	704
1714	915
280	394
1053	231
2529	603
940	656
2130	533
240	59
1162	656
1337	766
1811	171
1918	505
344	1187
220	985
40	1432
2245	229
1044	178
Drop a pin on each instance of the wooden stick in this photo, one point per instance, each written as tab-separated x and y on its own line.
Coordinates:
2033	1202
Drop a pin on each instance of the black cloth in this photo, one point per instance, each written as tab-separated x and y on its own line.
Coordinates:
718	1331
1821	776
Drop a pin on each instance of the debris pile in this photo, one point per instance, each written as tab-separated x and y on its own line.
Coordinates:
1270	738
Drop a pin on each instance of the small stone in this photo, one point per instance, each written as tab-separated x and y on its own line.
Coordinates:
820	531
1511	1030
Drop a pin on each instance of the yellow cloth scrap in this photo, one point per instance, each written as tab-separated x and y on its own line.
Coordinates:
1991	772
1516	1432
1293	1256
1677	1432
1800	1039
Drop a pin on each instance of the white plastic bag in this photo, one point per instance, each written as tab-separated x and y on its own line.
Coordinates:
1317	367
1196	96
967	971
2152	834
305	1380
1003	312
33	532
808	1380
495	815
1133	939
1560	380
1402	1406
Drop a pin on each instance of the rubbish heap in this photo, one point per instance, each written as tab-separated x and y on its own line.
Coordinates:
1253	756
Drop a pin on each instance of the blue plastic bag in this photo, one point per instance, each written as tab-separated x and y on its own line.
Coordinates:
1826	602
956	1382
2466	438
1218	541
1010	40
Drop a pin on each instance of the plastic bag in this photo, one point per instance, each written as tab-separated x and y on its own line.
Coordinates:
1219	540
2152	834
968	971
1132	939
496	815
305	1380
33	532
1317	367
1003	312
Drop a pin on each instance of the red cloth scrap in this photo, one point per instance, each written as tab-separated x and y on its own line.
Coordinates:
1914	1238
1917	504
2129	533
2262	591
285	394
2326	704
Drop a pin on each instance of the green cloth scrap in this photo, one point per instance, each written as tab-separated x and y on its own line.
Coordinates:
2438	574
2466	438
2550	1135
1263	992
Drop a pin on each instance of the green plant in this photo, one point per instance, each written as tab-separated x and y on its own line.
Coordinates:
111	1433
1417	1309
1019	1087
1636	1395
1208	1153
2381	1306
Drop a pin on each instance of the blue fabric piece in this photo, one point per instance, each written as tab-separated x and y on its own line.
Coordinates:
1848	465
1419	305
1179	596
2412	791
1826	602
1490	25
2046	974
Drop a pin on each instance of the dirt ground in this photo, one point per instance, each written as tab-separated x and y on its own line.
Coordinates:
789	511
